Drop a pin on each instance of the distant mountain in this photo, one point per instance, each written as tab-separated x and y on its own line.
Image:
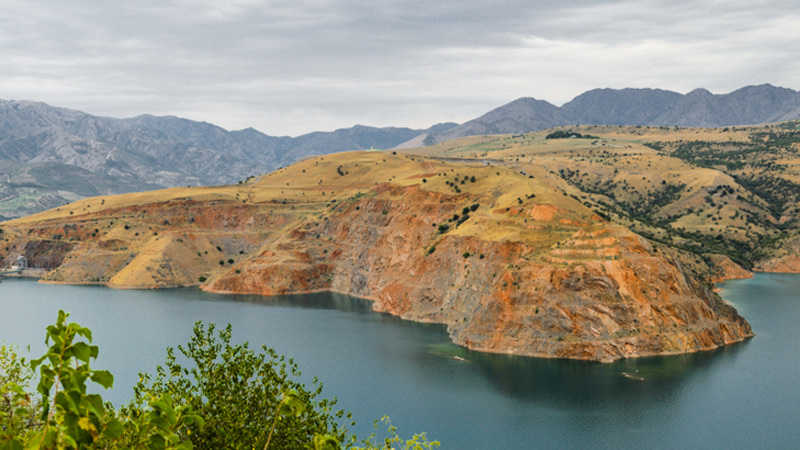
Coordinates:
620	106
699	108
747	106
523	113
50	155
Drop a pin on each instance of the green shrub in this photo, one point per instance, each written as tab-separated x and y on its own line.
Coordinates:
69	417
240	393
225	396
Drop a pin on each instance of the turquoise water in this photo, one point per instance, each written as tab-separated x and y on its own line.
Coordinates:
743	396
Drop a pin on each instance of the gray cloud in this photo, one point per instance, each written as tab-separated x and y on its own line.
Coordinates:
289	67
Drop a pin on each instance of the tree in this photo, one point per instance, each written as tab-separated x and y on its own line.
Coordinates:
228	396
69	417
241	394
18	410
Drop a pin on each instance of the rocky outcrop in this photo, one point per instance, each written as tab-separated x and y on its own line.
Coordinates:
506	262
602	294
784	264
723	268
784	259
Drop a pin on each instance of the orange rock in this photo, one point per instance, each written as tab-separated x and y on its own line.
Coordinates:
573	286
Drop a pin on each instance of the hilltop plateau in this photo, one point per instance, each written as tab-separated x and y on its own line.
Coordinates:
732	191
510	262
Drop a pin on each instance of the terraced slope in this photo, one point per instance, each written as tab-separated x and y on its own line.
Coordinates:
732	191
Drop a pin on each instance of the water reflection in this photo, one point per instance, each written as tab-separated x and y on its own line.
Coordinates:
556	381
316	300
559	383
742	396
577	382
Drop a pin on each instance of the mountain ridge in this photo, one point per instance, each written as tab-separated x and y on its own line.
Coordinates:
125	155
749	105
146	152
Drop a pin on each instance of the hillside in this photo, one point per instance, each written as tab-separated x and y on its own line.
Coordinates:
699	108
508	262
733	191
50	156
114	156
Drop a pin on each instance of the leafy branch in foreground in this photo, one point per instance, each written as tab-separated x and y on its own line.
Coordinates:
247	398
68	416
418	442
17	407
223	396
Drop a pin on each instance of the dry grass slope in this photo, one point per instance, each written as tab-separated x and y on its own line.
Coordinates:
508	254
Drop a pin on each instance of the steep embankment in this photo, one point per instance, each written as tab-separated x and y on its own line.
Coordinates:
507	262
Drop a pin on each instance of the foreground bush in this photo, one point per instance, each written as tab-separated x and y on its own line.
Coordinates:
227	383
214	395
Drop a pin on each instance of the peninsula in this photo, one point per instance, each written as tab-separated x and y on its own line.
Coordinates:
485	235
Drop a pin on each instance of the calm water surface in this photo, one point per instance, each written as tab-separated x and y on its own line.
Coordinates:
744	396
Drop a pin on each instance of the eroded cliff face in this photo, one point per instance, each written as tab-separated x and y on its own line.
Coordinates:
507	263
786	258
723	268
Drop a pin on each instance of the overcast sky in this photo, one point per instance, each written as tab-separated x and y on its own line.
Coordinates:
296	66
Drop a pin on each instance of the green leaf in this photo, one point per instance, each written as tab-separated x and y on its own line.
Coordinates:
66	402
114	429
69	440
83	331
35	362
36	442
94	404
82	351
185	445
12	444
160	423
325	442
103	378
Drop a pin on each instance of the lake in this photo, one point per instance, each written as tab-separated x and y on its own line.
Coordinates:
743	396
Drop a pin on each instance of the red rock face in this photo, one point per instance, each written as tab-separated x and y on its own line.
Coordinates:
536	275
608	297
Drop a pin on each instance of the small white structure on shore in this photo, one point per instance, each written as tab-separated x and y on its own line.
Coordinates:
20	264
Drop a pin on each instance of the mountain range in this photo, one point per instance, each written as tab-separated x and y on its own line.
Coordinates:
655	107
50	156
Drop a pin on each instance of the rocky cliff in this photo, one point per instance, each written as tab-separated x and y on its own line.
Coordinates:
507	262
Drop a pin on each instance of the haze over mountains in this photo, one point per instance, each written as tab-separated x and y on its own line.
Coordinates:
50	155
699	108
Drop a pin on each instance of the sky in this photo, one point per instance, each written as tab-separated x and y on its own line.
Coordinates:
296	66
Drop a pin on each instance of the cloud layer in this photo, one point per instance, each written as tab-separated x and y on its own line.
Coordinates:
290	67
